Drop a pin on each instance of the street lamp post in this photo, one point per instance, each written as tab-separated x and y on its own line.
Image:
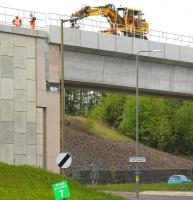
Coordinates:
62	91
137	115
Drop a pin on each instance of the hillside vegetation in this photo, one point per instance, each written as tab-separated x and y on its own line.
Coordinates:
99	129
28	183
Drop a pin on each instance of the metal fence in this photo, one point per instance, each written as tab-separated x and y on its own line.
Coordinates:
146	176
44	20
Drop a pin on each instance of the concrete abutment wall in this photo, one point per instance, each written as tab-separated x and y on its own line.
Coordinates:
29	115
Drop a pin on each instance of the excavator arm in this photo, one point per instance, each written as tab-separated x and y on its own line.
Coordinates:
107	11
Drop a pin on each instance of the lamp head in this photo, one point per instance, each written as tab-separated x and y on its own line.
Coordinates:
157	50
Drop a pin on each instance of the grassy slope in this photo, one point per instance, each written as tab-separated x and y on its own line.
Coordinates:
102	130
28	183
144	187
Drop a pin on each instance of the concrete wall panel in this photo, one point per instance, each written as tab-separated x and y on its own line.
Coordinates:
32	159
20	57
6	41
119	71
31	155
7	88
124	45
20	122
40	161
7	67
55	36
40	150
20	79
6	133
72	37
19	40
31	111
172	52
7	110
156	46
155	77
107	42
20	160
54	64
31	69
31	134
52	144
89	65
40	120
140	45
31	90
183	79
20	98
20	146
41	64
6	153
89	39
186	54
31	47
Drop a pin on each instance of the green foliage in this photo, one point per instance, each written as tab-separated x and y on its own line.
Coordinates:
163	124
110	111
24	182
183	129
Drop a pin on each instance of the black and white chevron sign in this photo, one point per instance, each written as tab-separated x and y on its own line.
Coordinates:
64	160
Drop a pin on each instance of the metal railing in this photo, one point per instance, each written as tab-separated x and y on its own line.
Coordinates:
43	20
8	14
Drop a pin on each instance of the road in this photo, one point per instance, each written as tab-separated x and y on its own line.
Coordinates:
156	195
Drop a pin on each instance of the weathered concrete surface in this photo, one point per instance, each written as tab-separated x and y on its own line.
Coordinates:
29	115
109	64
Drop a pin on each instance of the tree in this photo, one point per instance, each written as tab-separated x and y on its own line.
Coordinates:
111	109
80	102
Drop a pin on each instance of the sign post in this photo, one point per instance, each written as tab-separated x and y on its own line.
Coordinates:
137	159
61	190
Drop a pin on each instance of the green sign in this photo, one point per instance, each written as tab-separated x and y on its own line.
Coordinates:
61	190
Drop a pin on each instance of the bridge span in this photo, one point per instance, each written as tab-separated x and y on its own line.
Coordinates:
107	62
30	74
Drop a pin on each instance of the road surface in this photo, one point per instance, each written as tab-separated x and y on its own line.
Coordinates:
156	195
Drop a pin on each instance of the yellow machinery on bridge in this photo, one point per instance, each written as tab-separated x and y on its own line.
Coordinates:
122	20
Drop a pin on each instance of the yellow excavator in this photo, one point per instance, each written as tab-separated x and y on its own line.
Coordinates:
126	21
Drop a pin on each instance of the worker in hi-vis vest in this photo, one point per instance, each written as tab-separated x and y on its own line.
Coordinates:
32	21
17	21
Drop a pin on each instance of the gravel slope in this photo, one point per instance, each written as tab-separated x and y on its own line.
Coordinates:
87	149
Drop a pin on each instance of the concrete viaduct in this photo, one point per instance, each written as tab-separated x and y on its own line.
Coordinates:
30	74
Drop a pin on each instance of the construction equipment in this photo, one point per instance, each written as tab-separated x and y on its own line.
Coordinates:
126	21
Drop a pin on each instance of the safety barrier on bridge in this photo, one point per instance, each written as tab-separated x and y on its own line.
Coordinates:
45	19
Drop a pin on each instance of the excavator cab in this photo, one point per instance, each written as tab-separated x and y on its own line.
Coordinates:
135	25
121	14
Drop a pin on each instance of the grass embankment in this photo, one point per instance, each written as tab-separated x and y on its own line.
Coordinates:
28	183
144	187
101	130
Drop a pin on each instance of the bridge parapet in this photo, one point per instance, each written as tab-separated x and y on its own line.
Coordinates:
93	42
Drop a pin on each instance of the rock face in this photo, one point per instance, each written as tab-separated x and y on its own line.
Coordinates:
88	150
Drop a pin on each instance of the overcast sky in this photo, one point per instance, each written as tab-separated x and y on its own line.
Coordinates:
175	16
